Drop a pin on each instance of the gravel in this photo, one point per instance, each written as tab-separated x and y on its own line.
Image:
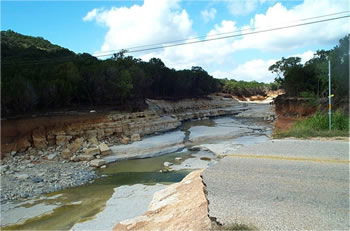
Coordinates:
25	176
282	194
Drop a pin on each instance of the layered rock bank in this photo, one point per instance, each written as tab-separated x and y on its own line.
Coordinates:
112	127
94	140
41	132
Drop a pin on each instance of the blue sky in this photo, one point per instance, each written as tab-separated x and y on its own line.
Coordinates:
100	26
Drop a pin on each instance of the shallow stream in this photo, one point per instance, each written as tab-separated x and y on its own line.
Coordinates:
64	209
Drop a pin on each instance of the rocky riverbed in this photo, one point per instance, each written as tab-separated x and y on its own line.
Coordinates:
24	175
35	171
29	173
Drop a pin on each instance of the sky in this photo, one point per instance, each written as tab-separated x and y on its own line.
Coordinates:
102	26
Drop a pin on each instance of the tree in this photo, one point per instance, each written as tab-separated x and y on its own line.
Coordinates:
283	66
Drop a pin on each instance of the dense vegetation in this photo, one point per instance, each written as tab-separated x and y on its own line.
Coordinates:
244	88
311	79
37	75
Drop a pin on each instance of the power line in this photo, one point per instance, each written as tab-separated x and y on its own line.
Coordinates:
206	36
230	36
160	46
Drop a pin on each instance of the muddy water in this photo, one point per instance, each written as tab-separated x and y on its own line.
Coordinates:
62	209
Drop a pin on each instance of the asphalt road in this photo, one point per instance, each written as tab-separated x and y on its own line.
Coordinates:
282	184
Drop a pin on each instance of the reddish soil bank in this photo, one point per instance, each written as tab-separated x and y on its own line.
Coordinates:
290	110
18	132
293	107
284	123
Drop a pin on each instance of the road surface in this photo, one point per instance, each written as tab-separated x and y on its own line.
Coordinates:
282	184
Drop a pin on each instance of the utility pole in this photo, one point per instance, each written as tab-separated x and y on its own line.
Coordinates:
329	96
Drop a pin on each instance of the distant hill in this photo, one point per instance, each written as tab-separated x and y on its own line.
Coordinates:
12	39
16	48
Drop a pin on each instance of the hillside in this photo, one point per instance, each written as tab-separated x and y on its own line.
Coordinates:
38	76
17	48
15	40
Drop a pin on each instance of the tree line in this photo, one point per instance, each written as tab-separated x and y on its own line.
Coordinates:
39	76
311	79
247	88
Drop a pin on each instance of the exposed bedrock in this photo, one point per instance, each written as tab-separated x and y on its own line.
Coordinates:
116	127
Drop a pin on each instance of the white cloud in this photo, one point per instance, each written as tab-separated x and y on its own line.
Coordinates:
208	15
153	22
90	15
158	21
198	54
306	56
257	69
242	7
316	34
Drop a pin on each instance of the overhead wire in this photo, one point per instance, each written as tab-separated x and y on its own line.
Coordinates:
229	36
171	44
217	34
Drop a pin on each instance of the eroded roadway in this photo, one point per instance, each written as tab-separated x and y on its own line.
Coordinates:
282	184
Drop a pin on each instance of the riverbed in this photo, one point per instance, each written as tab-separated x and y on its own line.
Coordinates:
125	187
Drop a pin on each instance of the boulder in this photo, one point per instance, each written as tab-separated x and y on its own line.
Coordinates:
66	154
22	176
167	164
97	162
100	133
39	138
91	134
75	158
51	156
108	131
22	144
92	151
93	140
125	140
51	140
104	149
85	157
76	145
62	139
37	179
3	168
135	137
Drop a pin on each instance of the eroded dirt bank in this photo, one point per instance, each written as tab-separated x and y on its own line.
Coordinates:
289	110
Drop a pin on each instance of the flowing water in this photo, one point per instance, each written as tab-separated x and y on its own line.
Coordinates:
63	209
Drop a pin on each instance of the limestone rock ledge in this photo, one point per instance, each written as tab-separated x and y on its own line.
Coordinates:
181	206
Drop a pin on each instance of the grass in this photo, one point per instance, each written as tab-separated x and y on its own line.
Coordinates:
317	126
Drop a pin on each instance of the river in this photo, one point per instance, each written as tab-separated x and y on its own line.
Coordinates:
125	187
